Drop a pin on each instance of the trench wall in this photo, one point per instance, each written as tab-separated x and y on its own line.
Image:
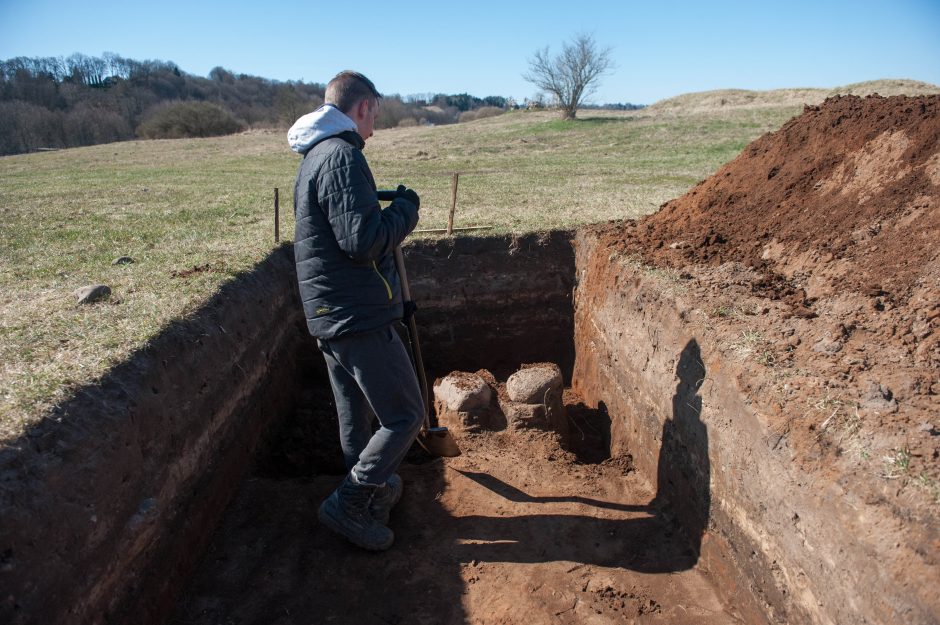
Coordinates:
783	545
494	302
673	406
106	504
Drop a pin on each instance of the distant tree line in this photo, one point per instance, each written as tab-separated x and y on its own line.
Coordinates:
614	106
56	102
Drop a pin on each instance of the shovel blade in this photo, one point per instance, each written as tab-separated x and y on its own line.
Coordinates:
439	442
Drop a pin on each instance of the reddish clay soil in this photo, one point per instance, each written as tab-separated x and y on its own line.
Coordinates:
816	253
516	530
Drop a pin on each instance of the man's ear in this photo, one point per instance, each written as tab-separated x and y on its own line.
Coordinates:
362	109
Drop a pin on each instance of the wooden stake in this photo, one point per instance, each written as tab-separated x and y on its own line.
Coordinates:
277	217
453	203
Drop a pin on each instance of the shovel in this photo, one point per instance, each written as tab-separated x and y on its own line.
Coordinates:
436	441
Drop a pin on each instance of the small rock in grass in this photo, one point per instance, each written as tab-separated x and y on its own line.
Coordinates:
123	260
92	293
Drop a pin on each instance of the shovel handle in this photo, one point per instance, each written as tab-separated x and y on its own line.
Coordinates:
413	336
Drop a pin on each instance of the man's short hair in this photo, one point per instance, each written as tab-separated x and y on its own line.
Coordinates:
348	88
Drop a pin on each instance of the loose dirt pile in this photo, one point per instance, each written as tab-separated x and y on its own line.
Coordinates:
853	183
816	255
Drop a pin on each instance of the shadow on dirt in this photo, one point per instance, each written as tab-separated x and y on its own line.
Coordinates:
507	491
667	540
683	473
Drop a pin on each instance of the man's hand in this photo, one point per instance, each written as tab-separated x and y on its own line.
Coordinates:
409	195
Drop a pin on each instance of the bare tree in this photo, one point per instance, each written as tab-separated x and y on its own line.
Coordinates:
571	76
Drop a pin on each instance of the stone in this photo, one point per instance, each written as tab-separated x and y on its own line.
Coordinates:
536	399
462	392
464	402
529	385
526	416
92	293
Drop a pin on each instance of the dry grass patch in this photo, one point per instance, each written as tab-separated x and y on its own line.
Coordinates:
731	99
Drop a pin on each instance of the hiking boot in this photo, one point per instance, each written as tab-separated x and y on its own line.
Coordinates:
385	498
346	512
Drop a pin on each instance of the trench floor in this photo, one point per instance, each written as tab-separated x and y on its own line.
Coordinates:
516	530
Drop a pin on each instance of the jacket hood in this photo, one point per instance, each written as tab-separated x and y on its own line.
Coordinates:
323	123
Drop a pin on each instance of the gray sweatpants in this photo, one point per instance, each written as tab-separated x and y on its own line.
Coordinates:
372	376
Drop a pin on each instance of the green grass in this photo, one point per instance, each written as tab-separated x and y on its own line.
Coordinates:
529	171
173	205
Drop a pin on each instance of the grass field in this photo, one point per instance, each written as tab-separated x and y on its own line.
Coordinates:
177	205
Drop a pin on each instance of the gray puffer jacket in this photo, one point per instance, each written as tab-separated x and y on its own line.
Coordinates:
343	242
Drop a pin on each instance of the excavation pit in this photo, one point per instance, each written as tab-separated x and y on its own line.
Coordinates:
750	395
210	484
199	504
535	522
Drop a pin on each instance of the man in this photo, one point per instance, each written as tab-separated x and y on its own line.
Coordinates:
344	249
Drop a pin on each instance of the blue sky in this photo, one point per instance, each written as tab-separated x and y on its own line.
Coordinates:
481	47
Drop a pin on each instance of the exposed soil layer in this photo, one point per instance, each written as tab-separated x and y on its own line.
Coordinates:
516	530
493	303
807	271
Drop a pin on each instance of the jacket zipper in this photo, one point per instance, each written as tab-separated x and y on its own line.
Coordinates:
388	288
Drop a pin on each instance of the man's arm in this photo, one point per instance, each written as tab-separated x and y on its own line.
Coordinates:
363	230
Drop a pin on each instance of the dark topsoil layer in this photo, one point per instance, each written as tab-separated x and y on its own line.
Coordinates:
816	254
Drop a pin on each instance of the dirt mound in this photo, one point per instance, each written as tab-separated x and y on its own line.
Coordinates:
819	245
854	180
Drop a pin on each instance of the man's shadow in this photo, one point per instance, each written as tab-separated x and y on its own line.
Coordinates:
665	536
683	476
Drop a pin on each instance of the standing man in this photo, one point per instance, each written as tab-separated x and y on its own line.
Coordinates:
344	249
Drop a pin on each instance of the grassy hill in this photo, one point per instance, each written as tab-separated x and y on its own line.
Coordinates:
194	212
725	99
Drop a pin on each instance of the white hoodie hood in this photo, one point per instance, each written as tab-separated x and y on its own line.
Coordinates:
326	121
